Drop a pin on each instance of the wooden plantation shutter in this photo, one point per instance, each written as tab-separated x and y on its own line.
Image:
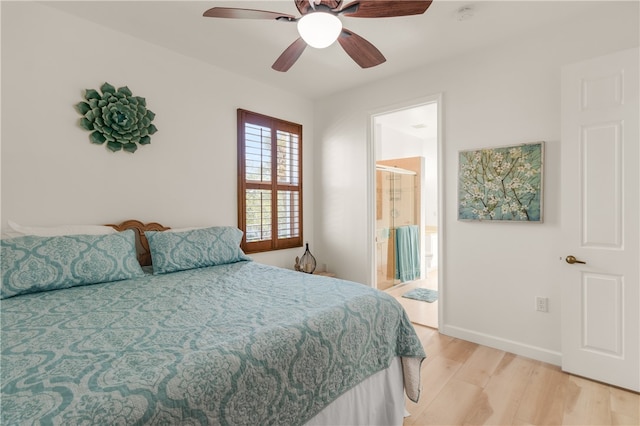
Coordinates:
269	182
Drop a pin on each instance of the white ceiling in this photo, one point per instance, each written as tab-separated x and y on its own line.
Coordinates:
249	47
420	121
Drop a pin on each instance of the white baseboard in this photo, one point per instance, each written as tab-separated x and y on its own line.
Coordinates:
518	348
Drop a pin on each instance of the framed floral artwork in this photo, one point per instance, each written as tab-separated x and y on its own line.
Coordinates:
501	184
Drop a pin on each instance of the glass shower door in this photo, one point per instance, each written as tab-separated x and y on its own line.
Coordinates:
395	206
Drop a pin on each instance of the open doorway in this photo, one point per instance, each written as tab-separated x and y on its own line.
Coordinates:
406	258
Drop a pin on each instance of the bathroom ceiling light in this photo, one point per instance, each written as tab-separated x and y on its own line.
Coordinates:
319	29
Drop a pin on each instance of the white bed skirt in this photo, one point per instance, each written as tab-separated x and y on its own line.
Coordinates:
378	400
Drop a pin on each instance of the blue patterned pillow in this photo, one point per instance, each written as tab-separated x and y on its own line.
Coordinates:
177	251
31	263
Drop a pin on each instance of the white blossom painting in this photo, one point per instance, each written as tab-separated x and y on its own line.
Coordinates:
503	184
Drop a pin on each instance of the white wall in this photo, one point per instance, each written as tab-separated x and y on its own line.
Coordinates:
52	174
507	94
396	144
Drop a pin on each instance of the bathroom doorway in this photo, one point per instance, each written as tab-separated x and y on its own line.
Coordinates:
406	254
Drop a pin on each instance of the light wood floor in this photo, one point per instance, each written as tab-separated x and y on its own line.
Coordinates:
468	384
419	312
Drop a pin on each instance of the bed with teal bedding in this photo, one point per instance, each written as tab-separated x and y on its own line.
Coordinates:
233	342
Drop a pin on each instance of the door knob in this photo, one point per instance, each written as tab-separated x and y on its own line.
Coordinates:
572	259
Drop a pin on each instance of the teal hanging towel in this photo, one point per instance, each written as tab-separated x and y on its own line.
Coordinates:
407	253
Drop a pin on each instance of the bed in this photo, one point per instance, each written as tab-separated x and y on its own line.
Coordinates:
92	333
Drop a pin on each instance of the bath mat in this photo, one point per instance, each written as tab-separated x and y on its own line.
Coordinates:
422	294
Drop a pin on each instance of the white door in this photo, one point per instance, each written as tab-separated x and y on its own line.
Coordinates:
601	220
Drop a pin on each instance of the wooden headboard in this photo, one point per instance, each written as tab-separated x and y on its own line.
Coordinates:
142	245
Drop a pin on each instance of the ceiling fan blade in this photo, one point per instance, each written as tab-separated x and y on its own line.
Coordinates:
289	56
303	6
232	12
384	8
361	51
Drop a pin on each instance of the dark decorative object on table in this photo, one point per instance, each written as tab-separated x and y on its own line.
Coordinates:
307	262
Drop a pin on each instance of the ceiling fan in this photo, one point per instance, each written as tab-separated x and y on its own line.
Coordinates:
319	25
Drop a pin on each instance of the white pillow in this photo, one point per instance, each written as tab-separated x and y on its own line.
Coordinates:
56	231
5	235
182	229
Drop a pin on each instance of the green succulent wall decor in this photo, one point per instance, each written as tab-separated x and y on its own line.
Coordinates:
117	118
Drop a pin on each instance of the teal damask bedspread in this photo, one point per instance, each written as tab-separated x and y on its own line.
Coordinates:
242	343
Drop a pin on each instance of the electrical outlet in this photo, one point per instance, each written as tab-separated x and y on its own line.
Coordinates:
542	304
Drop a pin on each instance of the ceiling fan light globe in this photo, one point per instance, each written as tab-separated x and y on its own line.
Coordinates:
319	29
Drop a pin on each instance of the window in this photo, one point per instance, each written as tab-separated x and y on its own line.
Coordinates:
269	182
